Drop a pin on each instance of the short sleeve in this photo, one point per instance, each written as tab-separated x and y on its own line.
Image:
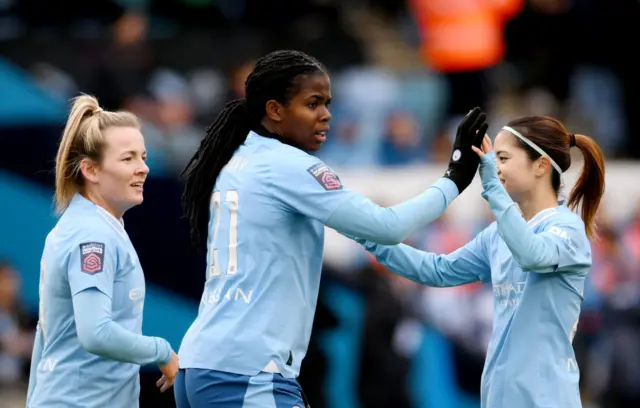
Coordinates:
308	186
93	262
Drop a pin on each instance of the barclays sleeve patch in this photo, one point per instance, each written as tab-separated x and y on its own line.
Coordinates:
325	176
92	257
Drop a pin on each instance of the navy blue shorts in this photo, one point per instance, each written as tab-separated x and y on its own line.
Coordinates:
196	388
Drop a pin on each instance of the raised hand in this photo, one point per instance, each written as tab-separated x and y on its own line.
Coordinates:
463	163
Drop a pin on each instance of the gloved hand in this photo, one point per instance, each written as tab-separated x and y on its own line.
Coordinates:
464	162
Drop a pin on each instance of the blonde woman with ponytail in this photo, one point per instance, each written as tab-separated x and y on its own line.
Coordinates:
89	344
536	256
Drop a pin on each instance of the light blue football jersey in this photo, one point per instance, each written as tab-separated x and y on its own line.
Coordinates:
264	257
538	270
88	249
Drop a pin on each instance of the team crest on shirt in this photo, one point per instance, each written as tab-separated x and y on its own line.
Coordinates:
325	176
92	257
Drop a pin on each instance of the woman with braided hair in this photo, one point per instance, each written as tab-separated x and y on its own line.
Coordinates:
258	203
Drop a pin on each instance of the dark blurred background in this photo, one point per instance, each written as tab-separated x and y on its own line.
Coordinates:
403	73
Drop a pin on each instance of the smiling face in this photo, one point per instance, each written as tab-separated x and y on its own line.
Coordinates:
517	172
119	177
304	121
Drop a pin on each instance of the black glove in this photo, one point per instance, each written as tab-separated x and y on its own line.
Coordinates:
464	161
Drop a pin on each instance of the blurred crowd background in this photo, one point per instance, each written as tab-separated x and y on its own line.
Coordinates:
403	73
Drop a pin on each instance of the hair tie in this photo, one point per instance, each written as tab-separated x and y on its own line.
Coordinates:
98	110
572	139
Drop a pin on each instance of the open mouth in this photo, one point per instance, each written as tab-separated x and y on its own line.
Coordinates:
138	184
322	136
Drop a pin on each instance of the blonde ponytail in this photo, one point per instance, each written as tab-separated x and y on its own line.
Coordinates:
83	139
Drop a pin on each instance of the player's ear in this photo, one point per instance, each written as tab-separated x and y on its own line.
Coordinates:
89	170
275	110
540	166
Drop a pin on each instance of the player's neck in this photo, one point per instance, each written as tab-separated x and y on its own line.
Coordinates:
101	202
534	202
267	129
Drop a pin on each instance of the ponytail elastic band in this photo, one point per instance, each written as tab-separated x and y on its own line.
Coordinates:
534	147
572	139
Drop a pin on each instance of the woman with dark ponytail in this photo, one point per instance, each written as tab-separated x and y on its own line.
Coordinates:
536	255
258	203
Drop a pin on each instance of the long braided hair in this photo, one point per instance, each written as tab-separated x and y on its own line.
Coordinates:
276	76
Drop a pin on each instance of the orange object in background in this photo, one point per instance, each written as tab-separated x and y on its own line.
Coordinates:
463	35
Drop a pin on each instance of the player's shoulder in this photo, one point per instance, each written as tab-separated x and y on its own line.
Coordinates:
270	147
272	154
290	156
566	224
88	226
291	160
288	165
559	216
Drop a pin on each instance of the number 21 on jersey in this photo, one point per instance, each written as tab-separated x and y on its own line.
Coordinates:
231	198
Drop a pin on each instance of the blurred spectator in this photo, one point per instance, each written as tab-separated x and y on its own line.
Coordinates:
631	238
609	327
440	150
401	141
166	112
313	373
174	123
237	79
462	40
16	339
614	366
389	339
463	313
341	148
121	68
544	63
